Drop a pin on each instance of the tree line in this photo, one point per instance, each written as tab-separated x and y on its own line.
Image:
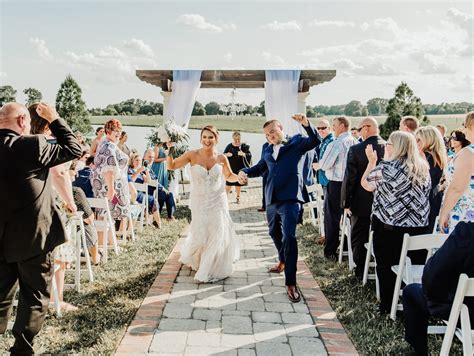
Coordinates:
72	108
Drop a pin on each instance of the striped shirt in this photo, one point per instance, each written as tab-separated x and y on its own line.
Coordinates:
398	200
334	160
322	179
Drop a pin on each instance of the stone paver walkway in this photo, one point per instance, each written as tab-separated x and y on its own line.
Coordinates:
245	314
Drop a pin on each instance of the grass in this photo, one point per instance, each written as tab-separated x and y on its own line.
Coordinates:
107	305
254	123
356	305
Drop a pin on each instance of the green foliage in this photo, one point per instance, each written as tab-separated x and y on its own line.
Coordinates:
404	103
33	96
354	108
377	106
71	107
310	112
7	94
261	108
198	109
448	108
212	108
323	110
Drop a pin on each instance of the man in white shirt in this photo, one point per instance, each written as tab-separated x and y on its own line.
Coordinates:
333	163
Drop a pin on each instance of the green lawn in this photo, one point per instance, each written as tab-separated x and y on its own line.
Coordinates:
107	305
254	123
356	305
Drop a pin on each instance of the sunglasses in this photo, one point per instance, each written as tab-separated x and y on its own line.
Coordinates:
360	128
321	128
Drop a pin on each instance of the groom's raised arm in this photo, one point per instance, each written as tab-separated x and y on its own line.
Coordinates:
310	142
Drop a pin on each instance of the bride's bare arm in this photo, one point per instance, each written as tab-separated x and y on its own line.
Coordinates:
227	171
179	162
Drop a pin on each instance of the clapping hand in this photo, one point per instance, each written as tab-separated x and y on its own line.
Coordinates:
241	154
228	154
302	119
242	177
371	154
47	112
315	166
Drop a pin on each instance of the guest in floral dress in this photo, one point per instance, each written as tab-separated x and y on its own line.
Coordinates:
458	204
109	175
159	165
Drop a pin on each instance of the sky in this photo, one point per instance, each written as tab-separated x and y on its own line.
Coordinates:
373	46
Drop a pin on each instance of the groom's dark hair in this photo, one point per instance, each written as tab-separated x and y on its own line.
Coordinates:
269	122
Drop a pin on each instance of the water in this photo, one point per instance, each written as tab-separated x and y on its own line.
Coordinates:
137	139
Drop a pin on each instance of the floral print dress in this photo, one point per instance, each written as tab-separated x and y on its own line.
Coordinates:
464	208
109	158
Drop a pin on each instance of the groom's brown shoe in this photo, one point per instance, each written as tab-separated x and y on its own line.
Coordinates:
293	294
278	268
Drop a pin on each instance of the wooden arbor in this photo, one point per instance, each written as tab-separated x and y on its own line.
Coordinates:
222	79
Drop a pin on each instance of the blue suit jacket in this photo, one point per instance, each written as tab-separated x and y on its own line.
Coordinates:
285	180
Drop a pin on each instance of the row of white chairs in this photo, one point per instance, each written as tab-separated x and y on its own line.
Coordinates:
407	273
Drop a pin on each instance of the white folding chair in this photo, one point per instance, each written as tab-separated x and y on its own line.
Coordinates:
143	217
317	204
79	238
106	226
369	264
407	272
346	231
460	310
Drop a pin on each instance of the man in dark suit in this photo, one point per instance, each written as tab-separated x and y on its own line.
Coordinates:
285	192
30	226
435	296
355	199
264	179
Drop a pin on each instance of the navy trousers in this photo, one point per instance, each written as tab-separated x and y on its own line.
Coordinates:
282	220
168	200
332	218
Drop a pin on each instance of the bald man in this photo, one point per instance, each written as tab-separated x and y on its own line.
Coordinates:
356	201
30	225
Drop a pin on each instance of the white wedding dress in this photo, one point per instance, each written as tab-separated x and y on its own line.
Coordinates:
211	246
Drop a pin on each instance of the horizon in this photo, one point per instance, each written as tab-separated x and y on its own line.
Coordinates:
373	46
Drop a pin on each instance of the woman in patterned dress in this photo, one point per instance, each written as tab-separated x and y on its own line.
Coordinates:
458	204
401	186
109	176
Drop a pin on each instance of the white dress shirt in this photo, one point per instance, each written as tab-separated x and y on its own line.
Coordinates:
276	149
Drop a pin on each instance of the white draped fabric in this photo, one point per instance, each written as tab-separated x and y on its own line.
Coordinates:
183	95
180	107
281	98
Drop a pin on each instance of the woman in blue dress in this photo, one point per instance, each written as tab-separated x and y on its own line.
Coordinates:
159	165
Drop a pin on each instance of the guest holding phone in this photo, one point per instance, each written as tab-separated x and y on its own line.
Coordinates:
239	157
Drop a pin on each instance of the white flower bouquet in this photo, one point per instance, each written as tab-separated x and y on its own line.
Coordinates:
167	132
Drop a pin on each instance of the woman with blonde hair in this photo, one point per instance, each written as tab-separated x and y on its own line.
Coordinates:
458	204
431	146
401	186
211	246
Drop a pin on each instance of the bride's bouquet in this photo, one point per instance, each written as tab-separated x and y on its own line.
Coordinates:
167	132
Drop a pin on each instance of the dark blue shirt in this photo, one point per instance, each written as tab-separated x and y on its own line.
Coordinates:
83	181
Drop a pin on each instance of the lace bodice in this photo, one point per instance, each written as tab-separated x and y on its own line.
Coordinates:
205	181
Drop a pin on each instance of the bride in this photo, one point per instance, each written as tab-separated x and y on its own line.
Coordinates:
211	246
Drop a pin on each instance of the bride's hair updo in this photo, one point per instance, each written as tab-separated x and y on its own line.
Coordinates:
212	129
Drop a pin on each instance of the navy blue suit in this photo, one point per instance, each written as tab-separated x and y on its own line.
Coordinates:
285	191
264	175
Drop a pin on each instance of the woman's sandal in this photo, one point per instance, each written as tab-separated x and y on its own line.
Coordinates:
237	199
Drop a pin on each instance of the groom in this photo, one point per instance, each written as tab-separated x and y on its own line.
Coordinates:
285	192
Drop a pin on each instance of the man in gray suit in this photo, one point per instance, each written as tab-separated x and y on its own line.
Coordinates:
30	226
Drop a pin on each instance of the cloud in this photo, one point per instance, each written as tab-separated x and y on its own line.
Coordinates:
140	47
273	59
199	22
462	19
3	74
228	57
282	26
384	27
432	64
41	48
325	23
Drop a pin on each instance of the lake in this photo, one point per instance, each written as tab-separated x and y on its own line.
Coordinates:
137	139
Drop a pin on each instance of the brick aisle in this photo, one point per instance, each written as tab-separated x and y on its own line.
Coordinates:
246	314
